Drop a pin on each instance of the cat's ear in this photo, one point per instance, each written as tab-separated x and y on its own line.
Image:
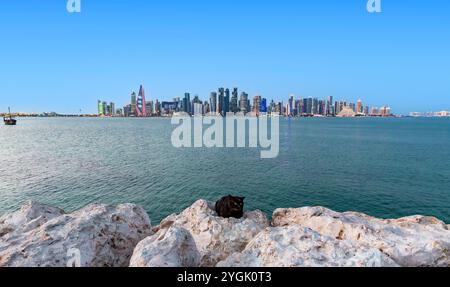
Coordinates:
242	198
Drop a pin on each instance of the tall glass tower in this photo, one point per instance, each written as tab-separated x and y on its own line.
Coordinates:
220	101
213	103
187	103
100	108
263	105
226	102
234	101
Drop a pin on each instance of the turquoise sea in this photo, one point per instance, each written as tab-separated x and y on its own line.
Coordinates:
383	167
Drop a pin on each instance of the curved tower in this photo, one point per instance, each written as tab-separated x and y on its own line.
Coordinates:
141	110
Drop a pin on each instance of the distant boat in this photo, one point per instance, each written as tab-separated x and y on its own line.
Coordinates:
9	121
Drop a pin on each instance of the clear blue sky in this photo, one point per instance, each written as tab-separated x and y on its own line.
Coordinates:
51	60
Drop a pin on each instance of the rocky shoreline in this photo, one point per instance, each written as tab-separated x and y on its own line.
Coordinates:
120	236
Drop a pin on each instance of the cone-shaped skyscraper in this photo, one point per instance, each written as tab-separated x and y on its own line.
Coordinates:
141	109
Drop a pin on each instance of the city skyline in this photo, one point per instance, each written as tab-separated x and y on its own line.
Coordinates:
57	61
225	101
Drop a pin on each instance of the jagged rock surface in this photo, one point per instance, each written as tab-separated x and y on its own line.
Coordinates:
296	246
42	236
411	241
197	237
32	215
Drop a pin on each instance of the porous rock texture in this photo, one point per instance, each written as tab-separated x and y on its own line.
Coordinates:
411	241
96	236
197	237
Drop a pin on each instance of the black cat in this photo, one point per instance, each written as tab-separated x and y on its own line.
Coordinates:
230	206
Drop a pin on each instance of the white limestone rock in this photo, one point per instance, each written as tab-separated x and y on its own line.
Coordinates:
41	236
197	237
173	248
412	241
296	246
30	216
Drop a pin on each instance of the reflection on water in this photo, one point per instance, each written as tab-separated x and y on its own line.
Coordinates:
384	167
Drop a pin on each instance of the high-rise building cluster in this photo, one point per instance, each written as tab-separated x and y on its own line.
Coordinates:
224	101
309	107
108	109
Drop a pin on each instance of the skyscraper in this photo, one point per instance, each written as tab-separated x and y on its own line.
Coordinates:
133	104
157	108
100	108
149	108
271	107
187	103
198	109
127	111
243	103
309	106
330	109
299	106
108	110
359	107
141	109
321	108
291	104
112	107
278	108
220	101
366	110
197	106
264	105
336	108
105	108
206	108
295	108
234	101
257	104
305	107
287	110
226	102
213	102
315	107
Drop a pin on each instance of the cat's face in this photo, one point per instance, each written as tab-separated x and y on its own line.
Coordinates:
237	203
